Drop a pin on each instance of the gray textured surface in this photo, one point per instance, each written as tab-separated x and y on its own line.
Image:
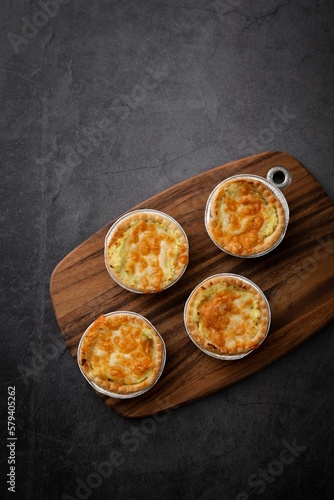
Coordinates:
178	87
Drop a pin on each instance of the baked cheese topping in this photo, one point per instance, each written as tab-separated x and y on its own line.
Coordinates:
246	217
121	353
227	318
147	254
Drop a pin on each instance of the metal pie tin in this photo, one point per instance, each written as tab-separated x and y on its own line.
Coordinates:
242	279
114	227
115	394
274	188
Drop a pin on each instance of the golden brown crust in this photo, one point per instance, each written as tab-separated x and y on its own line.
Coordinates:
246	217
121	353
146	251
226	316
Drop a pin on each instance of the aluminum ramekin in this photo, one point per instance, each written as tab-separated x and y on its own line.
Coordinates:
111	232
275	188
115	394
226	356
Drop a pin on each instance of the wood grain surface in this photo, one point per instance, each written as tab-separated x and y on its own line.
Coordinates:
297	279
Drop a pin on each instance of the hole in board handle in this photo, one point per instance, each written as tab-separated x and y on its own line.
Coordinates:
279	176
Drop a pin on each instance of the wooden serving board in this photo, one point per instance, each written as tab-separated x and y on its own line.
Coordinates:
297	278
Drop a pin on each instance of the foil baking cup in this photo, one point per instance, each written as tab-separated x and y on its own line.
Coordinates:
115	394
113	229
227	357
284	177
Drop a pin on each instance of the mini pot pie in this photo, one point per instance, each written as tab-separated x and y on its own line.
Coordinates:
121	354
227	316
146	251
246	216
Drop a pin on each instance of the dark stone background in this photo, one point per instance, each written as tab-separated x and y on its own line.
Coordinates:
179	86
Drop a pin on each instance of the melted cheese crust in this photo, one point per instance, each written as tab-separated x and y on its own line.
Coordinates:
147	252
227	316
246	217
121	353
